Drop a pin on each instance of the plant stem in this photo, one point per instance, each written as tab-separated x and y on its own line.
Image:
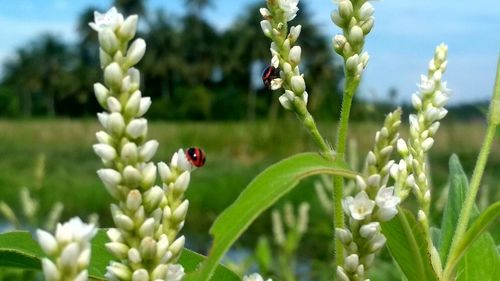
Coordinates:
477	175
338	182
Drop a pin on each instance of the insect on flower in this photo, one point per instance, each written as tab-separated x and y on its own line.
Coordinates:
196	156
269	74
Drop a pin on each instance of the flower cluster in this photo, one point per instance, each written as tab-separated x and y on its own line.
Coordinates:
356	20
285	55
410	173
375	203
68	249
148	217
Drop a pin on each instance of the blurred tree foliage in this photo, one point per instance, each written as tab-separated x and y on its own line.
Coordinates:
192	70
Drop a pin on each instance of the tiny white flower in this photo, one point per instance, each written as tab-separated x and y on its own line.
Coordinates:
175	272
111	19
387	203
289	7
361	206
276	83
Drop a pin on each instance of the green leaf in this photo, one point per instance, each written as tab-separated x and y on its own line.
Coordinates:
408	246
481	260
19	250
260	194
456	195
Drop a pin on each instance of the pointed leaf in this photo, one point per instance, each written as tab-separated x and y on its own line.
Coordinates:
408	246
456	195
260	194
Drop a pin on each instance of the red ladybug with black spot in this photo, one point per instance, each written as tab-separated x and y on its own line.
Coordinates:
196	156
269	74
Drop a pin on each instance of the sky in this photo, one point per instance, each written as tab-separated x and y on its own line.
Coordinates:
400	45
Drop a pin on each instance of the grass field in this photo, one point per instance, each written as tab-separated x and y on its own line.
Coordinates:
236	152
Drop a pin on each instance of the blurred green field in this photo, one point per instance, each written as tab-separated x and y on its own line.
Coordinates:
236	152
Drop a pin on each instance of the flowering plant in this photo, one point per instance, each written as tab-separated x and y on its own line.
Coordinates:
145	242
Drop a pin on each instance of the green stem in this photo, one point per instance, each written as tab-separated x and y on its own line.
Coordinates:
465	213
338	182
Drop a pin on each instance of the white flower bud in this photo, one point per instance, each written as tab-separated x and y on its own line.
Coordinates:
68	256
276	84
351	263
377	243
121	271
144	106
133	104
345	9
118	249
129	153
103	119
343	235
373	180
101	93
180	213
352	63
264	12
368	230
182	182
338	43
147	228
140	275
177	245
137	128
123	222
367	25
148	150
113	75
105	151
153	197
416	101
136	51
365	11
147	248
148	175
341	275
294	55
175	272
360	182
337	19
135	76
116	124
108	41
109	177
294	33
402	147
114	235
50	271
371	159
131	176
134	256
128	28
285	101
266	28
427	144
47	242
164	171
356	35
134	200
298	84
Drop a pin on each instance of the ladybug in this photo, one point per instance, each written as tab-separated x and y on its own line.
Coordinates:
196	156
269	74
